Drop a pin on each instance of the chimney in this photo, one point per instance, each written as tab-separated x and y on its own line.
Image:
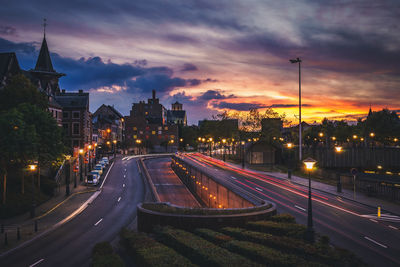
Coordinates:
63	91
154	94
80	91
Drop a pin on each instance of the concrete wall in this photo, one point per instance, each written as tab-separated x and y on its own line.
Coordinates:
207	189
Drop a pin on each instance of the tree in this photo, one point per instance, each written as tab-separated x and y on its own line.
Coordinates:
20	90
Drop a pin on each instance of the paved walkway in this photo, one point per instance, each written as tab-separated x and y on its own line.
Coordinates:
48	214
360	197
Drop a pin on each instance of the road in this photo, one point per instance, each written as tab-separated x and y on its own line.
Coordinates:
348	224
168	185
71	244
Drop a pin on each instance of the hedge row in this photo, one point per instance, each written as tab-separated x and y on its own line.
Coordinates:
165	208
103	256
275	228
283	218
148	252
283	243
201	251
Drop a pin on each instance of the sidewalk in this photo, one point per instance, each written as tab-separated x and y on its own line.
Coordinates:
360	197
47	214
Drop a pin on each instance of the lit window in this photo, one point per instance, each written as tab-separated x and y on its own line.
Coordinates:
135	136
166	128
135	128
75	114
153	132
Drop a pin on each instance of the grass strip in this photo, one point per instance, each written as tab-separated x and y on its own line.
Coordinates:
103	256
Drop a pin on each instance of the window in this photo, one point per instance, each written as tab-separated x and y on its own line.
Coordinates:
153	132
141	132
75	114
146	113
166	128
75	128
65	126
159	128
159	132
65	115
135	136
135	128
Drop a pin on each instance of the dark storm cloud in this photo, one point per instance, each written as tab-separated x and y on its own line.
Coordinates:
287	105
7	30
214	94
237	106
189	67
93	72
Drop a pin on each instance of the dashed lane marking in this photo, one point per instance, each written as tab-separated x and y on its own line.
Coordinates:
123	185
259	189
234	178
372	220
300	208
99	221
395	228
375	242
36	263
119	199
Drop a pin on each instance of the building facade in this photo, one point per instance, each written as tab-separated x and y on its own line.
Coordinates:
147	127
108	125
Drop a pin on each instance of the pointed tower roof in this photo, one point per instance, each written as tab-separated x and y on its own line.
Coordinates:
44	61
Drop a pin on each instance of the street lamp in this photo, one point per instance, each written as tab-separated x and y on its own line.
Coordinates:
289	147
338	149
138	142
293	61
81	151
115	146
90	161
243	154
32	169
223	142
68	174
210	141
309	164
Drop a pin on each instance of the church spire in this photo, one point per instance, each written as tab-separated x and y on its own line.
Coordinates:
370	110
43	62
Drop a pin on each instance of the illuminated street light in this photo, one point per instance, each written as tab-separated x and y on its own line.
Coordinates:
321	134
309	164
355	136
293	61
338	149
333	138
371	134
81	151
289	145
32	168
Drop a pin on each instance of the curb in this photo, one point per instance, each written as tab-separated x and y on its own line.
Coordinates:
65	220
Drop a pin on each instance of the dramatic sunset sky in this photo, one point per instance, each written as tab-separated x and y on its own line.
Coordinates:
216	55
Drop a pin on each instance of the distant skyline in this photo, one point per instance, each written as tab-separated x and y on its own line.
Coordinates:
218	55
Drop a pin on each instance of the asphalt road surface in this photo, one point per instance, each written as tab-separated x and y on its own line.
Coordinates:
348	224
71	244
168	185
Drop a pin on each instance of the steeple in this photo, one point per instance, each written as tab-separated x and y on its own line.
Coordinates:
43	62
370	111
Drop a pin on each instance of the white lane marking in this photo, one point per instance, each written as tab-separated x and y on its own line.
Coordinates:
123	185
119	199
233	178
259	189
125	169
36	263
375	242
99	221
395	228
300	208
372	220
105	178
124	175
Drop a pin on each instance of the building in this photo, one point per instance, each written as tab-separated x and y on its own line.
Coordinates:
177	115
76	117
108	125
147	126
69	109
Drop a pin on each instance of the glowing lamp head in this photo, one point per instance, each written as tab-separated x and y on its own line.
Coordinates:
32	167
321	134
243	143
114	141
108	130
333	138
224	140
289	145
95	144
203	139
90	146
395	139
371	134
81	151
199	138
379	167
181	139
355	136
309	163
338	149
67	157
108	142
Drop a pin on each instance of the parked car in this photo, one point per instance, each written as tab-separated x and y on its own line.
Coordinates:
99	168
93	178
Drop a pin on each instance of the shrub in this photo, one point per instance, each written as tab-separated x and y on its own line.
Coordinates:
148	252
213	236
283	218
201	251
285	229
103	256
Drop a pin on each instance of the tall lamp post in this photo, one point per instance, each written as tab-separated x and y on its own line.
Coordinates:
289	172
115	147
32	169
309	163
338	150
298	60
80	166
223	143
90	161
243	153
210	141
68	174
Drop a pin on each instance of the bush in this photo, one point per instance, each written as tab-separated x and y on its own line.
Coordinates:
285	218
201	251
213	236
148	252
47	186
285	229
103	256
